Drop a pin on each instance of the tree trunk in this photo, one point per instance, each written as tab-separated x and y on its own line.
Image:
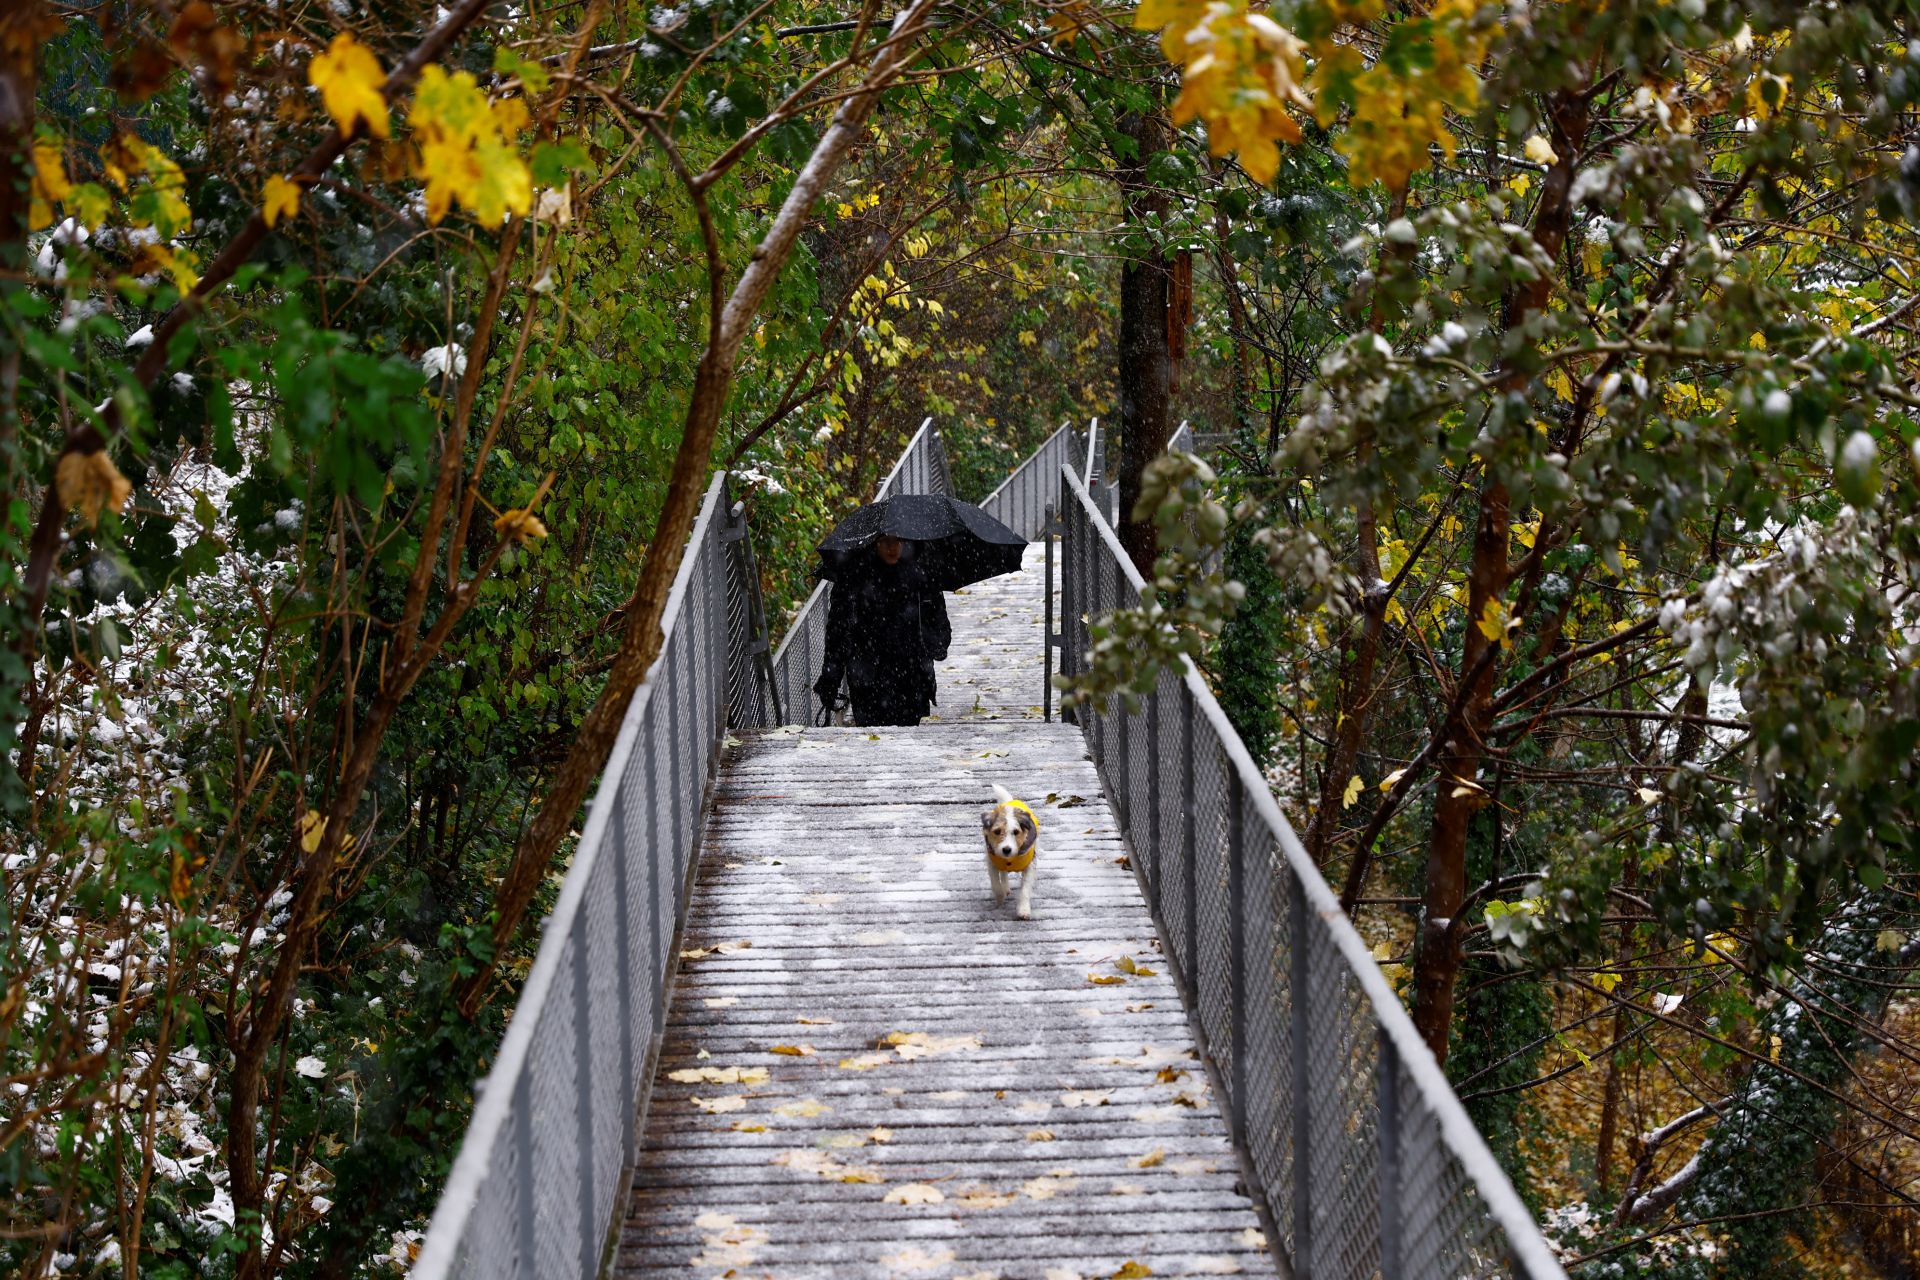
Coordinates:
1437	949
642	640
1146	362
1357	672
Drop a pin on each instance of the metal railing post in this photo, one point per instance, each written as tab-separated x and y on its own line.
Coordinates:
583	1098
1190	879
674	842
658	937
1298	1000
1151	871
1237	948
525	1237
1046	629
1391	1261
624	953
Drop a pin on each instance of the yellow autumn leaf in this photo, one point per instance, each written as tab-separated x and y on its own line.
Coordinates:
1152	1159
89	483
1105	979
1495	623
467	150
50	185
721	1106
914	1193
1606	980
1540	151
1039	1135
280	199
523	527
1355	785
313	829
801	1109
792	1050
1391	780
349	79
747	1126
1131	1270
880	1133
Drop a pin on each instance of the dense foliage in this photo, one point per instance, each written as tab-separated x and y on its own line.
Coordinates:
1554	545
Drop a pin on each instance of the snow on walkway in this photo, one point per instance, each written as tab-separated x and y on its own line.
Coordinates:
870	1070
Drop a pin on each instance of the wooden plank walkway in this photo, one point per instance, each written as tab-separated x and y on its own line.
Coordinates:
870	1070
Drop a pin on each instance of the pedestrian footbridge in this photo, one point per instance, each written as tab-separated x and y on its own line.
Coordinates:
777	1026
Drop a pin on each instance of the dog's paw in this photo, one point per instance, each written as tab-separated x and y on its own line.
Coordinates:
1024	911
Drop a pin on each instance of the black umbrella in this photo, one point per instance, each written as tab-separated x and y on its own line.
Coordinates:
955	542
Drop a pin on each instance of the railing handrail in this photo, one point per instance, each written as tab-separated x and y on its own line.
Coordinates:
1460	1136
496	1094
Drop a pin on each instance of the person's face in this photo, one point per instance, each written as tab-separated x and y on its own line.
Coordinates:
888	549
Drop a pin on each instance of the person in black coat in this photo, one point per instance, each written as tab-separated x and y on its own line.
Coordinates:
886	627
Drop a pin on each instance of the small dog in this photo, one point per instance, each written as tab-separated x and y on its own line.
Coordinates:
1011	830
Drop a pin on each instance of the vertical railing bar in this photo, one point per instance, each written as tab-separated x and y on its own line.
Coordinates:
583	1100
675	845
1237	948
658	937
1391	1263
1298	1013
527	1239
1189	875
624	955
1151	870
1046	629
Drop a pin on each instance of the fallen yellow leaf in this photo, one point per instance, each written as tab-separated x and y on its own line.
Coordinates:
1039	1135
1105	979
793	1050
914	1193
1131	1270
802	1109
1149	1160
721	1106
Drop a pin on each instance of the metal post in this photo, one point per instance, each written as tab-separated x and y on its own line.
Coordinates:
1391	1264
583	1100
1298	999
523	1159
659	968
673	757
1237	947
1190	962
1046	630
623	955
1152	868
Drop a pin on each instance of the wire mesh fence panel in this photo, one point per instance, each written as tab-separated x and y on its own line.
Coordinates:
1022	499
1269	1052
532	1190
1361	1152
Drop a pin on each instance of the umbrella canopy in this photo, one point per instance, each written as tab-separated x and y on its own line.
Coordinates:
955	542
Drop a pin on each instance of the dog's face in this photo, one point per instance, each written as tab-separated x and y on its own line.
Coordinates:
1009	831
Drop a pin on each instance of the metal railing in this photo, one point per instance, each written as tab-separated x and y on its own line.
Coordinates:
1364	1157
1025	499
921	468
547	1154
